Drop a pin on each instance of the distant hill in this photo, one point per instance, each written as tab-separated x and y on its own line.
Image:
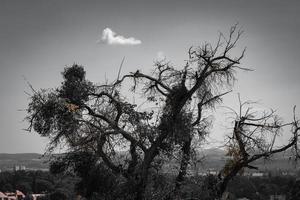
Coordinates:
32	161
213	158
20	156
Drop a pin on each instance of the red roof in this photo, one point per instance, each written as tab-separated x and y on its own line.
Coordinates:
2	195
19	193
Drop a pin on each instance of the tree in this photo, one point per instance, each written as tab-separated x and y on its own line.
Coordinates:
100	120
94	178
254	137
43	186
294	191
23	186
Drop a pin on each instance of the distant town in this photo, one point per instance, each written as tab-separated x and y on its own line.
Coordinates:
280	167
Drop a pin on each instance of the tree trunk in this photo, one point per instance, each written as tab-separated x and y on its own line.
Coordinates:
141	186
166	128
143	177
140	193
186	150
224	182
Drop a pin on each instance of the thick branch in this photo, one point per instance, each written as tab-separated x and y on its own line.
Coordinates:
114	126
115	101
281	149
138	74
105	158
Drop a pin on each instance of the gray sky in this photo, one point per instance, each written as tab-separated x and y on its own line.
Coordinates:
38	38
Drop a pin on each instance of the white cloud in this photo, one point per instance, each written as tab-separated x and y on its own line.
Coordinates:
110	37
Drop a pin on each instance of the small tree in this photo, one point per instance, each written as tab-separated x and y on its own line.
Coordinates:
100	120
254	137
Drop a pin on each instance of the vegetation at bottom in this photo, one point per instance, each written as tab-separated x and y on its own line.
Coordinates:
100	184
